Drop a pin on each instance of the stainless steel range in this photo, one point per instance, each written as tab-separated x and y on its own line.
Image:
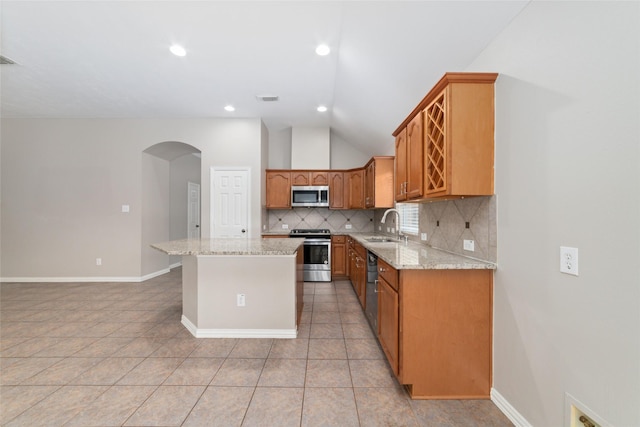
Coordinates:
317	253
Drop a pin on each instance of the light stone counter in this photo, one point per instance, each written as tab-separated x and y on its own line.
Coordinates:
414	256
285	246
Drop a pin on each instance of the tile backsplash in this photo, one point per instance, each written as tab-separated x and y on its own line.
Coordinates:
445	223
449	222
334	220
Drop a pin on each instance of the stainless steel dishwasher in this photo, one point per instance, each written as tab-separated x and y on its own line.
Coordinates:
371	310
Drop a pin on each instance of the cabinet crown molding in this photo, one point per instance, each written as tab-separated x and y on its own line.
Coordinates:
448	78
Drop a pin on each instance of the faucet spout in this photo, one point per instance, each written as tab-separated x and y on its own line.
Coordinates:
384	218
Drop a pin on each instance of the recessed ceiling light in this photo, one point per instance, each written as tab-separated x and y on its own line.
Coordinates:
321	108
229	108
177	50
323	50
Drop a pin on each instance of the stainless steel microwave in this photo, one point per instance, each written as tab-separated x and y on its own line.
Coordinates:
310	196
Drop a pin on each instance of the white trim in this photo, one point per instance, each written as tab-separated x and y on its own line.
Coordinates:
115	279
237	333
176	265
514	416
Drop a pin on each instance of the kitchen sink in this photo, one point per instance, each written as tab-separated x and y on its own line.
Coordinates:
381	240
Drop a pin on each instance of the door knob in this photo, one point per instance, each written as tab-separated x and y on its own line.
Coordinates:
244	231
197	225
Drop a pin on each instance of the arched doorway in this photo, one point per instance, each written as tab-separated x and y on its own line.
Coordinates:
167	169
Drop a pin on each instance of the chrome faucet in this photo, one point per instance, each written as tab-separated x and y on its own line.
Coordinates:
398	232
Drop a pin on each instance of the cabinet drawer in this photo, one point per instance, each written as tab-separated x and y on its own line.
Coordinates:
338	239
388	273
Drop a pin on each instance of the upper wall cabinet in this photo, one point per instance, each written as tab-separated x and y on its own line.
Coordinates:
410	161
278	189
457	118
304	177
378	178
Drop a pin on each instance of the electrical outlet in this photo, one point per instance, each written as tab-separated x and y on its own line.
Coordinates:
125	208
347	226
423	236
469	245
569	260
285	226
98	261
379	228
241	300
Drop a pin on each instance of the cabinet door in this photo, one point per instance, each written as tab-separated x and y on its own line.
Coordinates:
415	158
319	178
356	190
278	190
435	146
338	258
388	323
336	190
401	165
369	185
300	178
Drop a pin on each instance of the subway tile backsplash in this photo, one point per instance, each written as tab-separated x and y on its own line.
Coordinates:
334	220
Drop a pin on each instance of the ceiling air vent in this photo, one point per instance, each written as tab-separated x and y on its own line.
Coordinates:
267	98
6	61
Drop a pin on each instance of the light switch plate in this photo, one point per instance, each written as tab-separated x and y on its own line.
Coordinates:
125	208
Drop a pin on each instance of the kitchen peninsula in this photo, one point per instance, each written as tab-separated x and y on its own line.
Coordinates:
240	288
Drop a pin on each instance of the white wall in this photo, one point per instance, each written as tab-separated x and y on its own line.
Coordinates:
345	156
64	182
155	208
184	169
568	173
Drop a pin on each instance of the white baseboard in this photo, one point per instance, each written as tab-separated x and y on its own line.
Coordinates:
514	416
111	279
237	333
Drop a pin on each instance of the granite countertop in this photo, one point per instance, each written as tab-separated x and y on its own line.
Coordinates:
416	256
273	246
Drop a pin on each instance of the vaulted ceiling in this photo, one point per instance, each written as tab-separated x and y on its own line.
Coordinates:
99	59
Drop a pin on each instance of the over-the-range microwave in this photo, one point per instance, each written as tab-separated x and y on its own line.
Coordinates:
310	196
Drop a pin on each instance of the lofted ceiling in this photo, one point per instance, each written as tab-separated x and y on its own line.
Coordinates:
111	59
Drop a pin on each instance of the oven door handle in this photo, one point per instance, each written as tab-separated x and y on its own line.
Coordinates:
319	242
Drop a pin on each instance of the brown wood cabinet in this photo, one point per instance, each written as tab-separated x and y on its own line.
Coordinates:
388	313
278	189
305	177
338	257
378	178
457	130
409	146
356	189
358	269
435	327
401	165
336	190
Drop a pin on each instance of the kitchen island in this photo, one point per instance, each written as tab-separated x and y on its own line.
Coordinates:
240	288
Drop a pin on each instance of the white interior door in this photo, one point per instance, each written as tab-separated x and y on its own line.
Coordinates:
230	203
193	210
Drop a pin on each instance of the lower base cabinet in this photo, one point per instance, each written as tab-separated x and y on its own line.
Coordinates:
435	327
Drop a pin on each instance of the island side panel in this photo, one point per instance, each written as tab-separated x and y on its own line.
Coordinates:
267	281
190	289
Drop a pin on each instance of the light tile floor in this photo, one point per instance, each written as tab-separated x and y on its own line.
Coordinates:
114	354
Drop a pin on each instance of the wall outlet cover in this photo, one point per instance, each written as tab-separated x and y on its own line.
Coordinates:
569	260
469	245
423	236
347	226
285	226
